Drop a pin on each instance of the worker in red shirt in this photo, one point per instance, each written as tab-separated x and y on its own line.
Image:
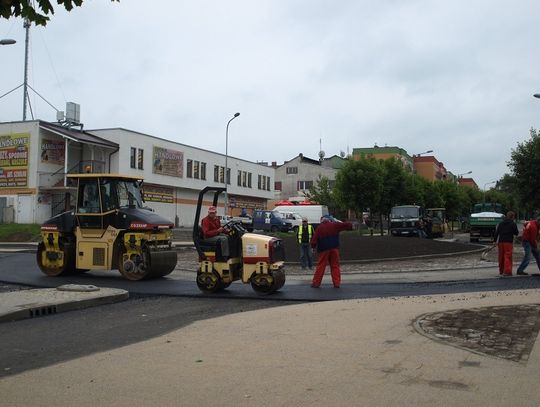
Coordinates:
326	241
530	234
212	231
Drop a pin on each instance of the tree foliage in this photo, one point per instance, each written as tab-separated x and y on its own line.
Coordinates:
359	185
525	166
322	193
37	11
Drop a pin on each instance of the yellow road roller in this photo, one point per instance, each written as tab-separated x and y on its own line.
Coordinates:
252	258
109	229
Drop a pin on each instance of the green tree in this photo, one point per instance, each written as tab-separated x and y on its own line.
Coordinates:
359	185
525	166
36	11
322	193
394	185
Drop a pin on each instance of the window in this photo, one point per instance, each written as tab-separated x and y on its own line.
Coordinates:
249	179
268	183
277	185
259	181
216	173
228	175
132	157
189	169
304	185
203	171
244	179
140	158
292	170
196	169
239	178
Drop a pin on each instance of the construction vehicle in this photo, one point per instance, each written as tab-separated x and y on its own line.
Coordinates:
436	222
407	220
252	258
109	229
484	219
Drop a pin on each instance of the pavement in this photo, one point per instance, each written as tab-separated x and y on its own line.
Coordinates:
475	348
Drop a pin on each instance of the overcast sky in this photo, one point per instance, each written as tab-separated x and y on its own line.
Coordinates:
456	77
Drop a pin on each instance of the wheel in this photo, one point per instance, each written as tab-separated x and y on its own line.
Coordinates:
68	254
210	282
274	229
133	269
265	284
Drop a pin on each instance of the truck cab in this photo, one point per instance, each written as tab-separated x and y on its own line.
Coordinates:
407	220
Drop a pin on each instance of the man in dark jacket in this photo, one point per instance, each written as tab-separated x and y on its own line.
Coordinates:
530	234
326	240
504	236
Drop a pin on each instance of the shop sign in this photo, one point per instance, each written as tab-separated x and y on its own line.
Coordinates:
14	149
168	162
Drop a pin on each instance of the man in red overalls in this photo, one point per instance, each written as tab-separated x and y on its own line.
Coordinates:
326	240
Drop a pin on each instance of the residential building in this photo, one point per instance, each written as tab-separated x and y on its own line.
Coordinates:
430	168
384	153
294	177
468	182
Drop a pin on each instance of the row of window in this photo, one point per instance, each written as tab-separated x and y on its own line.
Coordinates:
302	185
197	169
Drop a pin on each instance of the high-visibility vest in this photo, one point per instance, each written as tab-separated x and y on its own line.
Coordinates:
300	230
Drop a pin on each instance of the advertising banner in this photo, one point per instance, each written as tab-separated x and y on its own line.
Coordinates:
154	193
53	151
14	149
168	162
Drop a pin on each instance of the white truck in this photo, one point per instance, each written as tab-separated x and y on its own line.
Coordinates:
313	213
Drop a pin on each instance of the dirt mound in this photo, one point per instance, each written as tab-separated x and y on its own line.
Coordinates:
356	247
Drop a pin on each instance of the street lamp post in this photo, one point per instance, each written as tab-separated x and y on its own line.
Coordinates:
226	161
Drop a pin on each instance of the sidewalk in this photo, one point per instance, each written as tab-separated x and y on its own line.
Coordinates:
343	353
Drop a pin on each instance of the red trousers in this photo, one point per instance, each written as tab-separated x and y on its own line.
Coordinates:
327	257
505	257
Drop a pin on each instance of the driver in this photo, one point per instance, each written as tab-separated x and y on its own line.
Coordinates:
212	231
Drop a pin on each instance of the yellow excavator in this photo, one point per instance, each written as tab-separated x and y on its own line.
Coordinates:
109	229
252	258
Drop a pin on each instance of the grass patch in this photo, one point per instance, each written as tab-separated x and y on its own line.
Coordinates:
13	232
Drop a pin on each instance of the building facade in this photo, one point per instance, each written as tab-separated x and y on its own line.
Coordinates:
384	153
36	156
294	177
428	167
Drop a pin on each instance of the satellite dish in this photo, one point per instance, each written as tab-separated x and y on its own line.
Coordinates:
321	154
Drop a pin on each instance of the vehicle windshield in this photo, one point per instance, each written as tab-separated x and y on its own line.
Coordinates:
129	194
404	212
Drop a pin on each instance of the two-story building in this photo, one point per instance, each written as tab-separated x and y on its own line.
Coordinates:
36	156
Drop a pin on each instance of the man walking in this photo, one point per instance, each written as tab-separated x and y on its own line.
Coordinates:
530	234
504	236
326	240
304	235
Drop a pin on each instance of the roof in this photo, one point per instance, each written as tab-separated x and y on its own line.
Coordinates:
381	150
77	135
96	175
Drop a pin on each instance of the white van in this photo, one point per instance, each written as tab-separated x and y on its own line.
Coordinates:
294	218
313	213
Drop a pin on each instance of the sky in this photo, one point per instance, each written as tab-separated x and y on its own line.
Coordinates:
456	77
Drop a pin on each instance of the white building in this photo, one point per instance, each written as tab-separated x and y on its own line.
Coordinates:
35	157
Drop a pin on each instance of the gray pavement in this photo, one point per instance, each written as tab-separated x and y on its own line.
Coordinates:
476	348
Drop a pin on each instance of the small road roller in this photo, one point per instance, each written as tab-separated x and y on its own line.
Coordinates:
109	229
252	258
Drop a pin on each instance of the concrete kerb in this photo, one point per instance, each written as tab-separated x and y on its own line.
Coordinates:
16	305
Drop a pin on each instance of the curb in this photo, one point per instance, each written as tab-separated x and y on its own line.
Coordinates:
24	304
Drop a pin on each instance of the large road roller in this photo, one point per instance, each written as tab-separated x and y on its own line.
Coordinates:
109	229
252	258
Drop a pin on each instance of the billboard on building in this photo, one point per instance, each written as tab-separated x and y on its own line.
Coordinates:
14	149
53	151
155	193
168	162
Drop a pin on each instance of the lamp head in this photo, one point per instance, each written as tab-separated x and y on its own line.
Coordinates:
236	114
